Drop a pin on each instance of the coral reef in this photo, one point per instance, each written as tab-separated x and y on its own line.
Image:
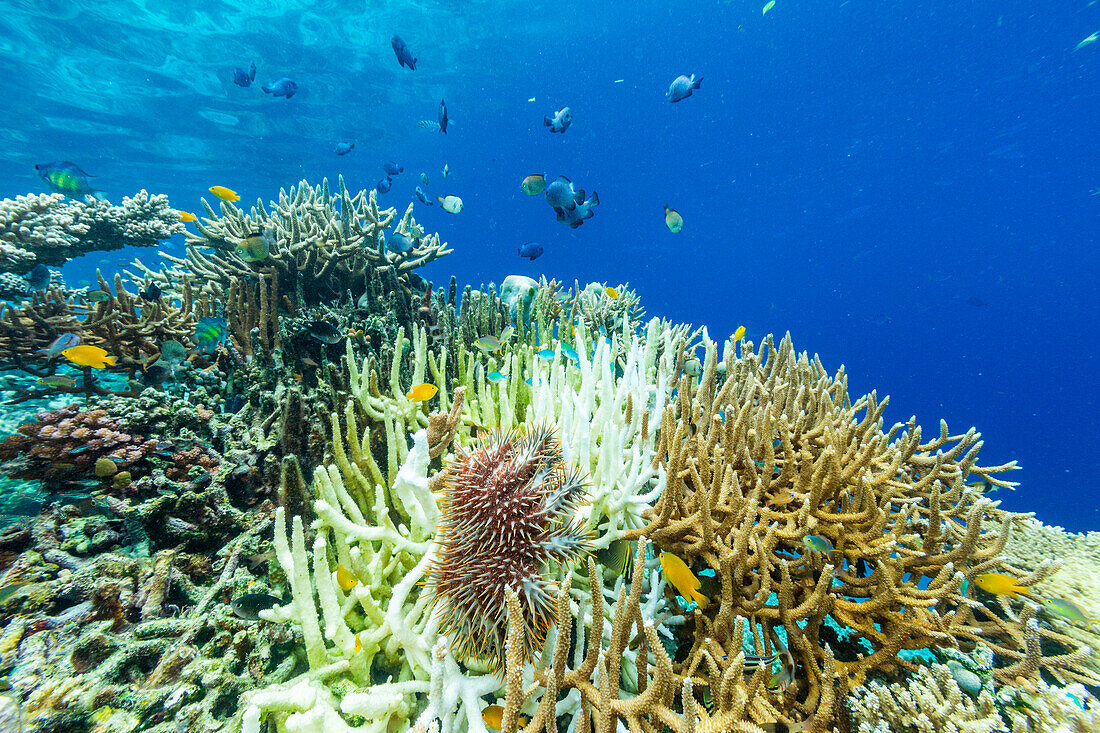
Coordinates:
51	229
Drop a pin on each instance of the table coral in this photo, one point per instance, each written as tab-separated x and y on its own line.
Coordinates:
50	229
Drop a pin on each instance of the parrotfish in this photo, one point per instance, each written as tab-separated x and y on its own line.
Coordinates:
67	178
209	334
62	342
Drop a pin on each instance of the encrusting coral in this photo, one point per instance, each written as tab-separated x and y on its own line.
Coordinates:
50	229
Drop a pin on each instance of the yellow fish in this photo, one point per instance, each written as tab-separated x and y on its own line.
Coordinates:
89	356
224	193
611	292
188	216
494	717
422	392
673	220
1000	584
679	574
739	333
358	645
345	580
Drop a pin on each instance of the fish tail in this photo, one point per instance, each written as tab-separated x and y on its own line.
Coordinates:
109	360
697	83
546	122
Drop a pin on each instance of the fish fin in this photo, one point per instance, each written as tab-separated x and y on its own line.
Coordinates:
109	360
267	89
98	195
576	223
697	82
579	196
560	213
595	200
562	178
546	121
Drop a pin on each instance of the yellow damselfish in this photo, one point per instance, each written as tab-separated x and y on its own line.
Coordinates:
345	579
739	333
188	216
89	356
1000	584
611	292
224	193
494	717
683	580
422	392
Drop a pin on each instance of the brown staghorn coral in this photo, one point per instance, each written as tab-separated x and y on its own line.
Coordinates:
664	699
778	452
50	229
323	244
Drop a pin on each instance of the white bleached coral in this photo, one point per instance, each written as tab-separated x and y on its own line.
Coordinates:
51	229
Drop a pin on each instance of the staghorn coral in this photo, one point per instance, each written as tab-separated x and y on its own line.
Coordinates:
929	701
778	452
324	245
505	514
51	229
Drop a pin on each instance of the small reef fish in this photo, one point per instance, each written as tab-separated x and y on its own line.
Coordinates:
427	124
424	178
1070	610
67	178
444	122
673	220
546	354
209	334
446	170
172	354
282	87
150	292
244	78
534	184
391	168
507	333
249	606
324	332
682	579
1000	584
345	579
617	556
488	343
559	121
1086	41
611	293
423	197
422	392
384	185
188	216
400	243
57	380
89	356
62	342
739	333
496	377
343	147
494	717
570	353
583	211
38	278
450	204
817	543
769	6
530	250
682	87
97	296
256	247
404	55
224	193
561	195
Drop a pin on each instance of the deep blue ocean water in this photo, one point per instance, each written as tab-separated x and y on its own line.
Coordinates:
910	189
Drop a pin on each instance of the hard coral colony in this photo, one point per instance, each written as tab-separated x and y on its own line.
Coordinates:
308	491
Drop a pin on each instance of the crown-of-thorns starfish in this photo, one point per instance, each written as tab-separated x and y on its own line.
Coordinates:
508	511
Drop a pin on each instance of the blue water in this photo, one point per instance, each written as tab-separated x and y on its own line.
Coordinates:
905	187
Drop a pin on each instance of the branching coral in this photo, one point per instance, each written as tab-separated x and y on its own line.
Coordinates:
50	229
928	702
322	244
777	453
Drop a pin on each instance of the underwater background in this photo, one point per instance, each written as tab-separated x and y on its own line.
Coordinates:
910	190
